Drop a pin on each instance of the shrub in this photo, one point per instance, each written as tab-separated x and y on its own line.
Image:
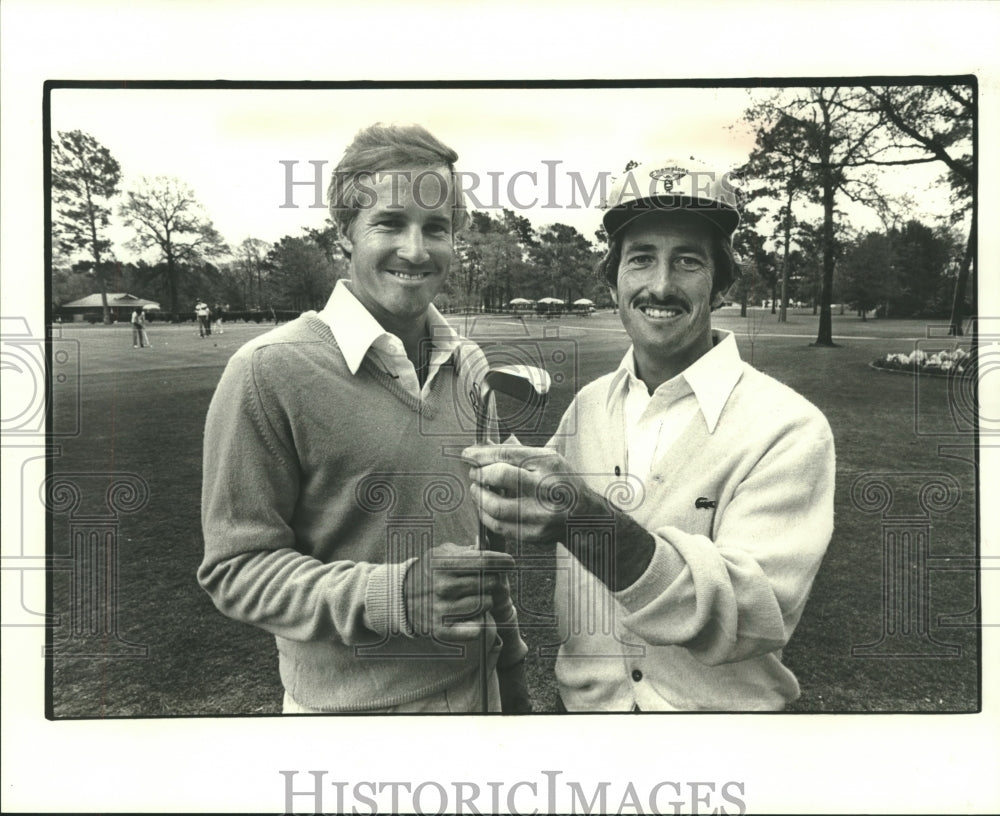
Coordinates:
938	363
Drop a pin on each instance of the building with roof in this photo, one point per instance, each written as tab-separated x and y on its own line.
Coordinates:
121	305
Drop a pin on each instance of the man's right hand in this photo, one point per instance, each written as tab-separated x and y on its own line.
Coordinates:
448	590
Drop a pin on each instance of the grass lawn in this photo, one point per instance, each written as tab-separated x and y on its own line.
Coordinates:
142	412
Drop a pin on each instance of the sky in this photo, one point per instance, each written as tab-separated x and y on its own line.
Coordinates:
228	145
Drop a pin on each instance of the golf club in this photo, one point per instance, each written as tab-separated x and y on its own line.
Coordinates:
529	385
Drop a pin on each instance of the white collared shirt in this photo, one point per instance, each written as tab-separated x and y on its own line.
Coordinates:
358	333
654	422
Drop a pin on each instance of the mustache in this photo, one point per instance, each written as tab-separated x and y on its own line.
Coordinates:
669	302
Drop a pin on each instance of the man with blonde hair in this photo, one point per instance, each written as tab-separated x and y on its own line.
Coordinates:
333	515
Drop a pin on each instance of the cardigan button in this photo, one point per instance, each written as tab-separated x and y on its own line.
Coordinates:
636	675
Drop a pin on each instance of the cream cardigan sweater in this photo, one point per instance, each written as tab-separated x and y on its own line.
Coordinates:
741	509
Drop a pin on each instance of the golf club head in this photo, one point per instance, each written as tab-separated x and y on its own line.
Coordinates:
523	382
529	385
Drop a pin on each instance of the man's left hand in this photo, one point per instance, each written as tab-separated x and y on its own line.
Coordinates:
527	493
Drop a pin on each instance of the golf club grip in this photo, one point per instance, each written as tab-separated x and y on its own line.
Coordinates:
491	541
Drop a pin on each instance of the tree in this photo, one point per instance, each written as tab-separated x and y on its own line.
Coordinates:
327	238
69	284
300	275
868	273
85	176
520	227
755	262
938	119
842	140
811	265
800	275
165	215
776	170
564	262
502	268
748	244
922	260
490	265
902	273
250	256
231	285
466	277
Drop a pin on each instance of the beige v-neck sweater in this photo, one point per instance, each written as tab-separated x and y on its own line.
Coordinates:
320	488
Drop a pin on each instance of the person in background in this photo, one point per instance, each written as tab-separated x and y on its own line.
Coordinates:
204	315
219	313
139	337
145	335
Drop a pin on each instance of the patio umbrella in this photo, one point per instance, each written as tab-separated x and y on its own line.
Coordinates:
520	302
551	300
583	302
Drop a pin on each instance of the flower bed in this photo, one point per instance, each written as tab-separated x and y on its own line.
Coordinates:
953	362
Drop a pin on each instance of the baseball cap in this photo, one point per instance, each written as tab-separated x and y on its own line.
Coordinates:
673	184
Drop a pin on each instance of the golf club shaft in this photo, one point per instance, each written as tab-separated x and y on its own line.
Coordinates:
529	385
482	420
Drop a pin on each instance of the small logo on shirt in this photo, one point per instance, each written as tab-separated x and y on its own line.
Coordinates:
701	503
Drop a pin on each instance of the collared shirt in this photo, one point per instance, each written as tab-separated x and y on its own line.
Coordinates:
358	334
653	422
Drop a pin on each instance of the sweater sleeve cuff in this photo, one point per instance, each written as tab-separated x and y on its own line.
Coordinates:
664	568
385	606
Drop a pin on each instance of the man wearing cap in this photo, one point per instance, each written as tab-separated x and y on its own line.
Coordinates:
689	495
203	314
334	516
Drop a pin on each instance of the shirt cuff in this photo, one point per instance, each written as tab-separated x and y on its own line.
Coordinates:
385	606
664	568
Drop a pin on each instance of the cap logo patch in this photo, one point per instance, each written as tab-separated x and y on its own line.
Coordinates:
669	176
